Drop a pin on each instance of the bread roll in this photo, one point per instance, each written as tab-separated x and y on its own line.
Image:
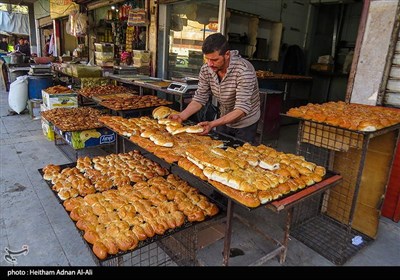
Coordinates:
269	164
194	129
100	250
264	196
321	171
147	133
161	140
161	112
178	130
247	199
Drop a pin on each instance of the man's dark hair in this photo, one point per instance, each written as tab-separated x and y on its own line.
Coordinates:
215	42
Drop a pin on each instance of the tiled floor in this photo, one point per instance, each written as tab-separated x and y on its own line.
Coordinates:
30	214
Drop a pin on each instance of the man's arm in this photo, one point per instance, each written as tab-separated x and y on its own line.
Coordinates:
191	109
228	118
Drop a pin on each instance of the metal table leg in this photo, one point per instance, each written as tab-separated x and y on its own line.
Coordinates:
228	232
286	235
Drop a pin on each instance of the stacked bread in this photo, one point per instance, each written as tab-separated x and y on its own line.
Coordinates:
132	126
101	173
74	119
156	137
250	174
90	92
58	90
118	220
358	117
161	113
134	102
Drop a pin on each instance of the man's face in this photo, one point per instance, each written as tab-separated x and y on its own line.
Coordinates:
216	61
21	41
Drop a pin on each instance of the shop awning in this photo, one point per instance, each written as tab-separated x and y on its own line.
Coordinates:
14	23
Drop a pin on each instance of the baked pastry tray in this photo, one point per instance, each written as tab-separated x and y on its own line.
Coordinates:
135	109
211	191
147	241
377	132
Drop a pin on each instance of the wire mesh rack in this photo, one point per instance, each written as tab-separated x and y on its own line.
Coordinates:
343	220
178	249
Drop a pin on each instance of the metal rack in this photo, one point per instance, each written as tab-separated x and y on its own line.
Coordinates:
225	202
178	249
343	220
175	249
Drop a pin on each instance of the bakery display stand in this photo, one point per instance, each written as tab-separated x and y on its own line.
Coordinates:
341	221
226	202
176	247
287	203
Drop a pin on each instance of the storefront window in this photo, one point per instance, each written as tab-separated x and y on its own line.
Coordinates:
190	23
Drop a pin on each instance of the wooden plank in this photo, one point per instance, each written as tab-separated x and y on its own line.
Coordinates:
395	72
392	98
366	220
376	170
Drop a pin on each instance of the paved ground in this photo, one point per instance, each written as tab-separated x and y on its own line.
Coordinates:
30	215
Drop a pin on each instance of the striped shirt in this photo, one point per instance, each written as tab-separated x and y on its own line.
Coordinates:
237	90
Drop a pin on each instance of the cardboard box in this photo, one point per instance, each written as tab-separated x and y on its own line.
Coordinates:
60	100
89	138
48	129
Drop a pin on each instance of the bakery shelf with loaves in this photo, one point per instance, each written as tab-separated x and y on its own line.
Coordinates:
123	202
101	173
253	175
362	153
349	116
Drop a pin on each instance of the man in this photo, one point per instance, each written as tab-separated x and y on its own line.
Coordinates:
233	81
47	48
4	44
23	47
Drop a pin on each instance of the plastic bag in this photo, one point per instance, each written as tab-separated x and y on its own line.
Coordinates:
80	25
18	96
77	24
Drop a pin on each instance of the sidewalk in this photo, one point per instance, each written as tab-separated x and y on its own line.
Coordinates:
30	215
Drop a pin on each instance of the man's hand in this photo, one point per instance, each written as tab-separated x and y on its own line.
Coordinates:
176	117
207	126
